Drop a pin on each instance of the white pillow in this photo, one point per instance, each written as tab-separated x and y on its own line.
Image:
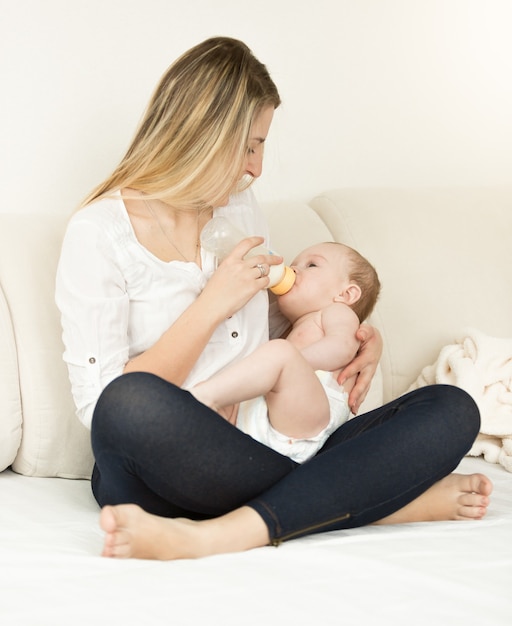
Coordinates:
10	402
54	442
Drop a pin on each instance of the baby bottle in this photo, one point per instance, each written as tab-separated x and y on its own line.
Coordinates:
220	236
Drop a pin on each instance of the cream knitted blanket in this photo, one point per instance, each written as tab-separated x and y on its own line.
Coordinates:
482	366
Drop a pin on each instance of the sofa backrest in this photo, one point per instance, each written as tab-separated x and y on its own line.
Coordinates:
444	257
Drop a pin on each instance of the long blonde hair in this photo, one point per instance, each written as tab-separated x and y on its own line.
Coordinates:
191	143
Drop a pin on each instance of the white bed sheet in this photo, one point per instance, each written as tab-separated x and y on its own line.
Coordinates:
430	573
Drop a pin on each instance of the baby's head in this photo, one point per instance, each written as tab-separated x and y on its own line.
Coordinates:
328	272
362	273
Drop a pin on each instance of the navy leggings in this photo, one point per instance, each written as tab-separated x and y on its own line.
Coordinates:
157	446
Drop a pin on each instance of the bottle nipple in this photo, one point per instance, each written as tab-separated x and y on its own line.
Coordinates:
286	282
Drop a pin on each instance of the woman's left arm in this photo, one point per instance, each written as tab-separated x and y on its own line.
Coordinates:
363	366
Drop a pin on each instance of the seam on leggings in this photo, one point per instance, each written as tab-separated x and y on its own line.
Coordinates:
277	538
276	526
309	529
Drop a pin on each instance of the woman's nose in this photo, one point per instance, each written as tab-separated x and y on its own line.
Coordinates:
254	165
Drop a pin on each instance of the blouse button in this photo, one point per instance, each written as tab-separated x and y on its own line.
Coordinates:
234	334
92	360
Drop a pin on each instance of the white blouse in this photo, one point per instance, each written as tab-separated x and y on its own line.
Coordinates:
116	298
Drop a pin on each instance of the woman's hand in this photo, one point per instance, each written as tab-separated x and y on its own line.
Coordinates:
231	286
363	366
238	279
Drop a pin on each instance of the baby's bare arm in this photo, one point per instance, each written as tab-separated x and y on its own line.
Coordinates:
338	345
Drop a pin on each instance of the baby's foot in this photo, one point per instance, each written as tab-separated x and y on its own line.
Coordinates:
228	412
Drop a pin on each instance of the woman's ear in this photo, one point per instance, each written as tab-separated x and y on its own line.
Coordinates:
350	295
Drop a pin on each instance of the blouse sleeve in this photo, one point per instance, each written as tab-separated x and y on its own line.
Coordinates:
93	302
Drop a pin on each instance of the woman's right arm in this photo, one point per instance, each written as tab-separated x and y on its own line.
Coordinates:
231	286
95	311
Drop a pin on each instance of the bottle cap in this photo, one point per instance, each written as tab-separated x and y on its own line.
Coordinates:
286	283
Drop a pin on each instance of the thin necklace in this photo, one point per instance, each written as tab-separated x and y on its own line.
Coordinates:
150	209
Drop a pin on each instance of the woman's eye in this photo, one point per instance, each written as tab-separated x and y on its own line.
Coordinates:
251	151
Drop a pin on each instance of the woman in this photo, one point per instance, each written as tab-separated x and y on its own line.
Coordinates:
146	315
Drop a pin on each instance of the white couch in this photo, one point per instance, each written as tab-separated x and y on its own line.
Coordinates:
444	257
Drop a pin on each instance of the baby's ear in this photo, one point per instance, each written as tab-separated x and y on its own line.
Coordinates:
350	295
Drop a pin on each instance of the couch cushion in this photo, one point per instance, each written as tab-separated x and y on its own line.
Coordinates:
444	257
54	442
10	402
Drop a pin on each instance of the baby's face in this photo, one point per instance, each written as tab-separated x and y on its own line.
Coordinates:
321	274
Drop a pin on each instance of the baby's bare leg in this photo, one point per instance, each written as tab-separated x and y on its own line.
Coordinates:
249	378
297	404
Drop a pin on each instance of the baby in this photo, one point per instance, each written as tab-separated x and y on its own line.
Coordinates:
285	394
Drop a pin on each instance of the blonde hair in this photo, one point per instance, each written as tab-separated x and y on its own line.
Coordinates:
190	146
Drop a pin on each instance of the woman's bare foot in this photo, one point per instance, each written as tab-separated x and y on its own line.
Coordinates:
130	532
455	497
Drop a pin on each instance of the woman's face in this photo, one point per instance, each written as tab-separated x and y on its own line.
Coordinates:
253	164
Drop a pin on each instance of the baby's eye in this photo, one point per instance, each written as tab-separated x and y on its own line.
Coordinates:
311	264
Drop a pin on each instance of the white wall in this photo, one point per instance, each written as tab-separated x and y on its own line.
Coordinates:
375	92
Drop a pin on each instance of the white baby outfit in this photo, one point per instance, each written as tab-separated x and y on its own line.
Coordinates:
253	420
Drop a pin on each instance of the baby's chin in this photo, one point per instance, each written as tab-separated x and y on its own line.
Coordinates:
286	305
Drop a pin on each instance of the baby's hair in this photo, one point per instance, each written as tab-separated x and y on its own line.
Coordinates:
362	273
